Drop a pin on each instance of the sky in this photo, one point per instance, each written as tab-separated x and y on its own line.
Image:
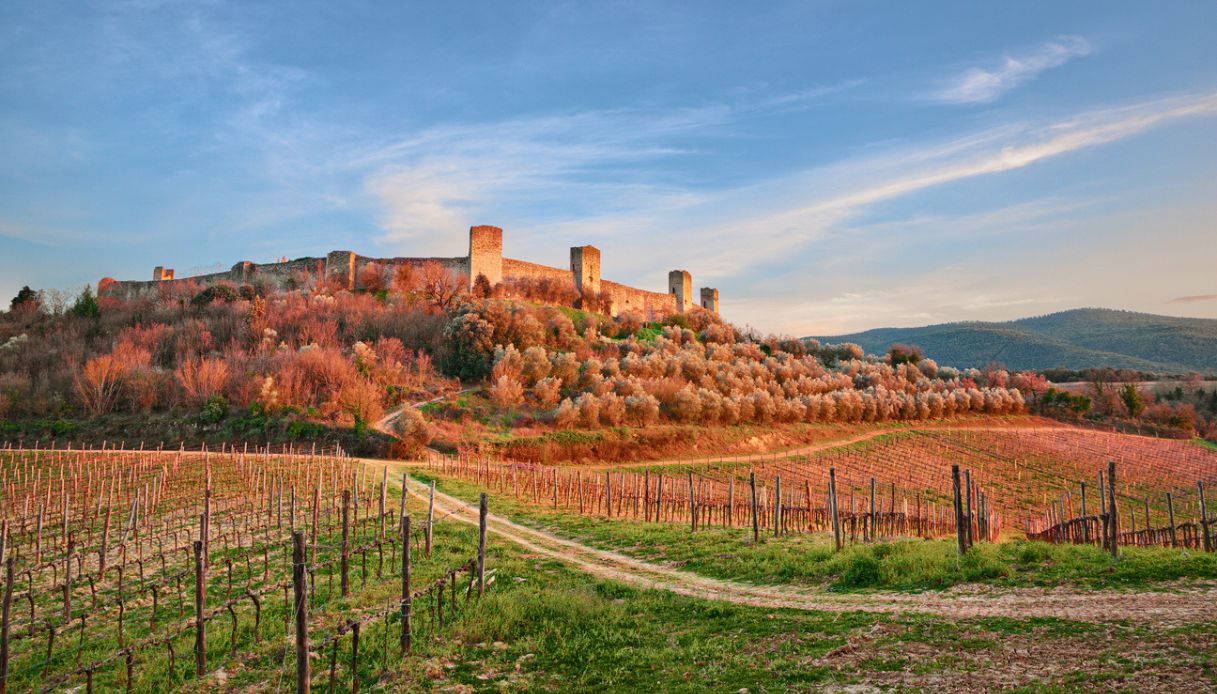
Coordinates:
829	166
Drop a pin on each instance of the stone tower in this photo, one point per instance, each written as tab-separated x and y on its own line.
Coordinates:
680	285
161	274
709	299
585	267
340	269
485	254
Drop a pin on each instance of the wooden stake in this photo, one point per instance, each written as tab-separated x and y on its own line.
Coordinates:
481	544
407	599
300	609
961	538
832	504
200	606
756	526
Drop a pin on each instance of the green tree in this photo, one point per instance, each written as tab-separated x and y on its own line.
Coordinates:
26	298
1133	402
86	304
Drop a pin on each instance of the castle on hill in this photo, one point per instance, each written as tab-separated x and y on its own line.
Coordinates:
485	259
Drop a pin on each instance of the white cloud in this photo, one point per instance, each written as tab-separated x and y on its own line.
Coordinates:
982	85
838	192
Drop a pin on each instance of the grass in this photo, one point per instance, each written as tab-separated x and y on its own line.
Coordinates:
1211	445
909	564
546	627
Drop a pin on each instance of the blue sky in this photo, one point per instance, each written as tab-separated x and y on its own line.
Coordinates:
829	166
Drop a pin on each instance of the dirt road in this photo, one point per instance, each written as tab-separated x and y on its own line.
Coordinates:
1186	605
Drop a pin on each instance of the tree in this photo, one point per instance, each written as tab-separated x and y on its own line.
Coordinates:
86	304
468	347
440	286
481	287
26	299
1133	402
98	384
903	354
201	379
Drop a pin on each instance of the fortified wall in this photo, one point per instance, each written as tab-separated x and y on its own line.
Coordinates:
345	269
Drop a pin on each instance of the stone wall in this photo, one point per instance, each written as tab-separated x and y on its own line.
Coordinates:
651	305
345	269
522	269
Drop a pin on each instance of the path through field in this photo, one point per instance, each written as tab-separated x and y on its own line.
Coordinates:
1186	605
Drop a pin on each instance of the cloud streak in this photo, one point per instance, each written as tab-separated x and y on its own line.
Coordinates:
983	85
1195	298
854	186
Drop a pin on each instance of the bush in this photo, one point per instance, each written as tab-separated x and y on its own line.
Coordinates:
412	429
215	411
862	571
468	347
217	292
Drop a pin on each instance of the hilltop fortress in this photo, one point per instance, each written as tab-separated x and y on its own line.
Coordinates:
344	269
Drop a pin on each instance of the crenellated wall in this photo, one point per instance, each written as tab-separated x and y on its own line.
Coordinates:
346	269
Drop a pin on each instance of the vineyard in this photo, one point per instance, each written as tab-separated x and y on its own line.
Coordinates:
771	504
894	485
142	570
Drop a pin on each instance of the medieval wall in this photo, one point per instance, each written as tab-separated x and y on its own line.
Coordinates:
522	269
346	269
651	305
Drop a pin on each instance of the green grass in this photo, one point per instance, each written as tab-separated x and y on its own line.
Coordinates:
908	564
1211	445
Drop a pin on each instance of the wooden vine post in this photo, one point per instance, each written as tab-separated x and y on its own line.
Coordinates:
961	539
756	523
832	505
407	600
300	609
1113	517
1170	510
1204	521
481	544
345	558
200	606
430	520
777	505
967	497
692	506
5	617
871	518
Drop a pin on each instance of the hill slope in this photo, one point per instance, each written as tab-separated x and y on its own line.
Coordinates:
1074	339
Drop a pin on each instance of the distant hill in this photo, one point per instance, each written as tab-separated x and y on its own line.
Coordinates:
1077	339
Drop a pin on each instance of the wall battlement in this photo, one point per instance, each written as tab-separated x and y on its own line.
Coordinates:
344	269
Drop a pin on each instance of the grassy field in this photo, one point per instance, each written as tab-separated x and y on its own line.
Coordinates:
548	628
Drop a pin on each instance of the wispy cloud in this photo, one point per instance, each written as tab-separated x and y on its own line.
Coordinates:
830	195
1195	298
577	178
982	85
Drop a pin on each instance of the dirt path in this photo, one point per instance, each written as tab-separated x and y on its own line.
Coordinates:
1187	605
383	425
808	449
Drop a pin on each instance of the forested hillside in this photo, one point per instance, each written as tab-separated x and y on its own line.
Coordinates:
1076	339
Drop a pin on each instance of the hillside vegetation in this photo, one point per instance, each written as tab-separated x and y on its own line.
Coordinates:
256	362
1077	339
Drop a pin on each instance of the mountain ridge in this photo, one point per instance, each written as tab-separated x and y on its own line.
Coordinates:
1074	339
